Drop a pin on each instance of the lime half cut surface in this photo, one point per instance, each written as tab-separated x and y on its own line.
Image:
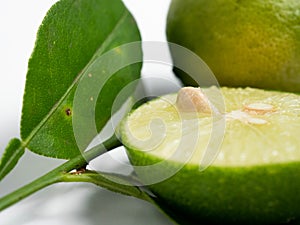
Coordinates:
254	171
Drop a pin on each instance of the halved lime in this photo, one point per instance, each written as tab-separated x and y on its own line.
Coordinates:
254	171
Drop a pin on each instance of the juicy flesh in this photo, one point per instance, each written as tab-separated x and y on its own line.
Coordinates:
259	127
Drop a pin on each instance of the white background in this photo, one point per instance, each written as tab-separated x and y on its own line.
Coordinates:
60	204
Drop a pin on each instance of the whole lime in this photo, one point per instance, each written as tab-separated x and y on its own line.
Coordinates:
245	42
253	178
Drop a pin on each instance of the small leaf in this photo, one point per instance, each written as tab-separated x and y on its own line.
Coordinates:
72	37
12	154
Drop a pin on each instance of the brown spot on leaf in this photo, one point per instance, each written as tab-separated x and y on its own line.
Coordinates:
68	112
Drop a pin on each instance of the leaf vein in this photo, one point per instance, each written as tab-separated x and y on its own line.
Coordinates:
77	78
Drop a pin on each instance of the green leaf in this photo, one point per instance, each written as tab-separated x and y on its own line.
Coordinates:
70	42
12	154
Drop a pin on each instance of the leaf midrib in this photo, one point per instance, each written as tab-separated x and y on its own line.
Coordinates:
77	78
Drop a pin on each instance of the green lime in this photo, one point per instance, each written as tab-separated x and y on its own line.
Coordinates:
245	43
255	176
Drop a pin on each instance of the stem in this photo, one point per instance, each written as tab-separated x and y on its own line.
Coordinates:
113	182
56	175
